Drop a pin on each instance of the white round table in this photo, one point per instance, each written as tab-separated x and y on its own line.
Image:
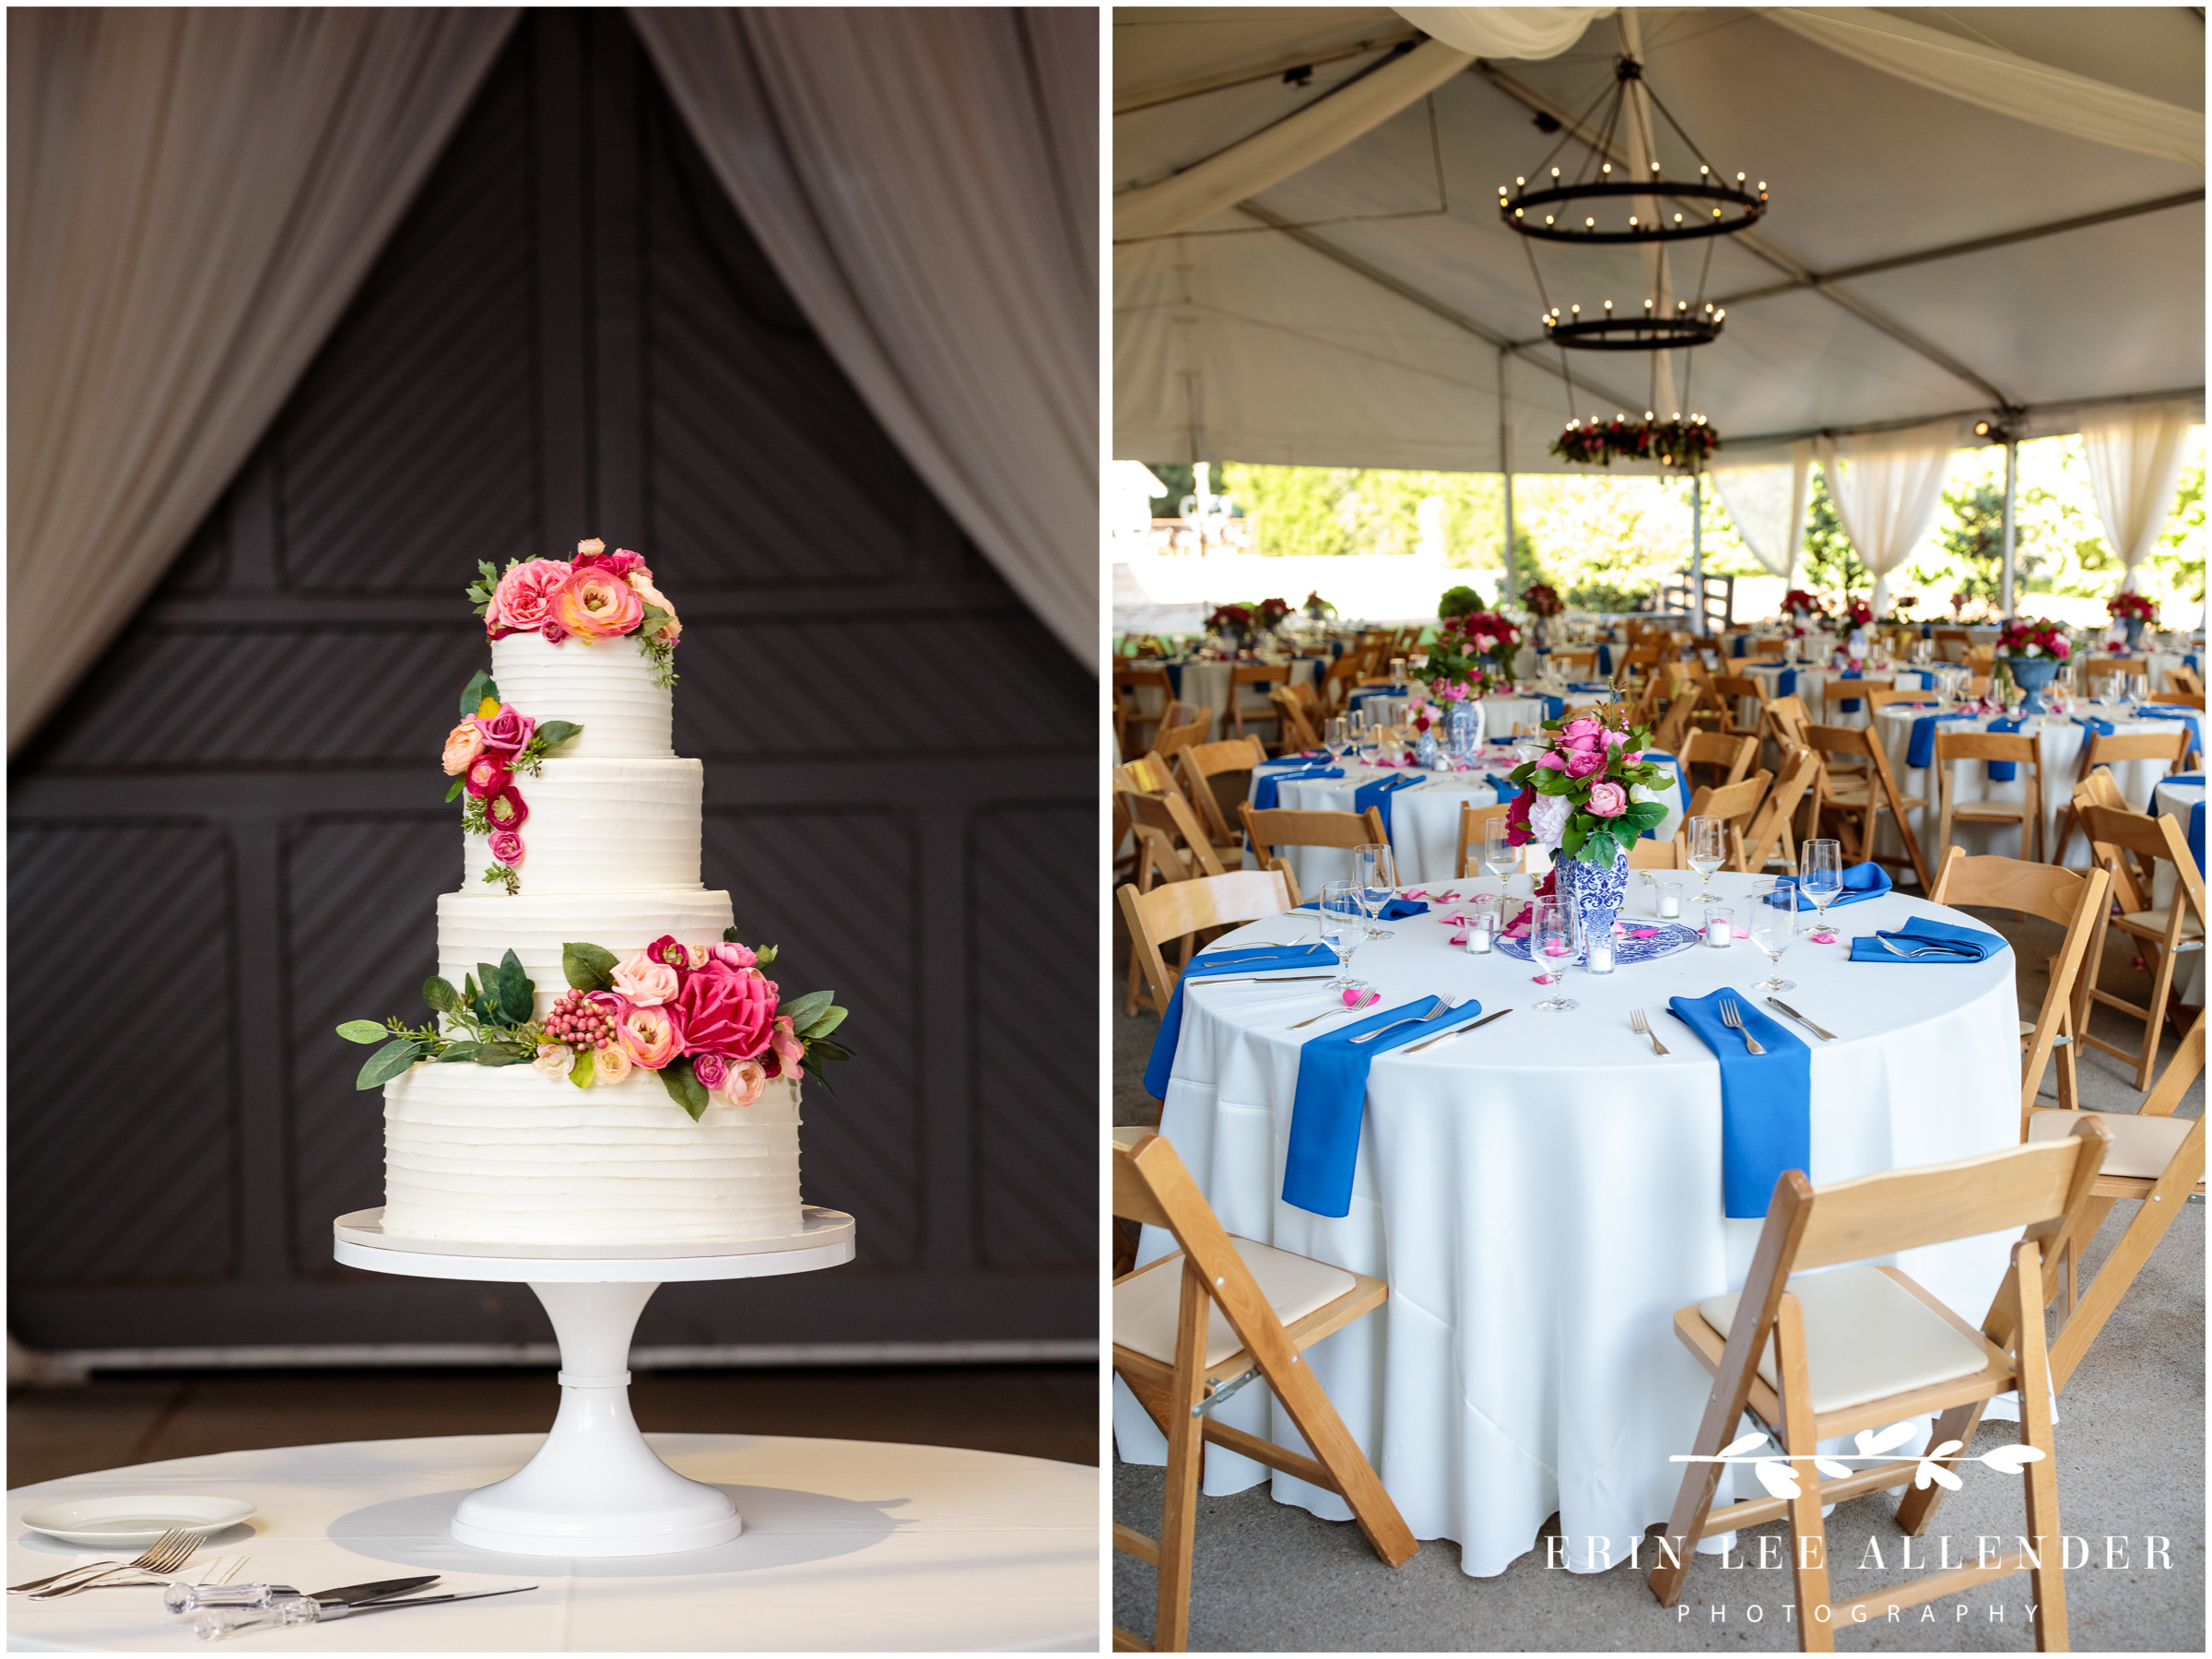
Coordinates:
1825	690
594	1487
1544	1193
854	1544
1206	685
2175	797
1424	820
2058	742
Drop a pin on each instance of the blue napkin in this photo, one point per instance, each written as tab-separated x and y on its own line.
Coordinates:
1741	640
1267	786
1260	959
2196	814
1920	754
1605	661
2170	711
1505	789
1850	705
1975	944
1174	677
1598	686
1332	1098
1785	685
1397	909
1555	708
2101	728
2003	772
1922	680
1378	794
1766	1100
1867	880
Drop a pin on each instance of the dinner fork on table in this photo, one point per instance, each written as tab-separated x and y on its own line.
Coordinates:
1444	1005
223	1569
1639	1023
1732	1018
165	1554
1369	1001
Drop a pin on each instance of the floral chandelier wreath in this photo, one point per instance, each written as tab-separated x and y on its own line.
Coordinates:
1679	444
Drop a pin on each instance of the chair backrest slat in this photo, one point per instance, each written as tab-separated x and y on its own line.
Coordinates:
1287	827
2021	1187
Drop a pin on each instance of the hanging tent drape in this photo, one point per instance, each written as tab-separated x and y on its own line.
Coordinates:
1765	496
2135	459
925	181
194	196
1887	487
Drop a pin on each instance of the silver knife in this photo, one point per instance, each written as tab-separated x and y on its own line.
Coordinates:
1458	1030
1257	979
308	1609
199	1598
1777	1003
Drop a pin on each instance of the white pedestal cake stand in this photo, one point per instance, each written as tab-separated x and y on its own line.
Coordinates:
595	1487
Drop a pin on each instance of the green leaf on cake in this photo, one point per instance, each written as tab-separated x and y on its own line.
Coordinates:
765	955
684	1089
805	1010
455	1052
516	993
586	1063
454	794
486	1000
362	1030
729	937
482	685
552	734
828	1023
504	1053
588	967
388	1062
825	1050
441	995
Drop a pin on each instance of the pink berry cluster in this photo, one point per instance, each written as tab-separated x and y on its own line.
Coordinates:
580	1022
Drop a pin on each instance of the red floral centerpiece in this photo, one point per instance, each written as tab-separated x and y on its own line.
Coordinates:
1542	599
1271	612
2133	611
597	595
2032	650
1857	612
1799	604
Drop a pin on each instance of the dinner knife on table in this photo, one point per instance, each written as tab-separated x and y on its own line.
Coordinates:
309	1609
1801	1019
199	1598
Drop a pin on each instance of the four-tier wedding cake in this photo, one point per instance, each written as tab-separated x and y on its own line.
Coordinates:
608	1064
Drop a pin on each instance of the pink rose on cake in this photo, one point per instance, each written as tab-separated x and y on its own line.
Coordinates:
593	556
784	1051
671	950
650	1037
644	980
713	1070
523	603
596	605
486	776
508	731
747	1079
734	956
506	846
505	810
463	744
726	1010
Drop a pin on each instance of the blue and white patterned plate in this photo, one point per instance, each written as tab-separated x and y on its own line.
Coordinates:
1671	937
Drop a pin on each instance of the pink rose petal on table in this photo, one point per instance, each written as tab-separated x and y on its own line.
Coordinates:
1461	936
1643	933
1822	938
1743	932
1352	994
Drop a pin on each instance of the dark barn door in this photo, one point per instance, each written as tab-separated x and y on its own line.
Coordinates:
231	837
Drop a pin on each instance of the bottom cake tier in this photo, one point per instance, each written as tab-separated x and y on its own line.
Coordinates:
506	1155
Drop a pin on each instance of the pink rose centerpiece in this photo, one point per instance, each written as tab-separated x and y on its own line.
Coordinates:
596	597
1578	801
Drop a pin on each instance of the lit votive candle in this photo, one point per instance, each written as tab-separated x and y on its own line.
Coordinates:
1478	941
1720	929
1599	957
1670	898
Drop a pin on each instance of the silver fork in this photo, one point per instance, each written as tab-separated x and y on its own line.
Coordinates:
1641	1023
1369	1001
220	1570
1732	1018
1443	1006
165	1554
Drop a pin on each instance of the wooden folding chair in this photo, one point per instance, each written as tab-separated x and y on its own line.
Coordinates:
1128	682
1735	690
2157	1159
1291	719
2076	902
1175	738
1880	696
1577	663
1338	685
1769	839
1199	764
1474	834
2183	678
1652	854
1859	797
1728	754
1192	1326
1734	805
1171	912
1268	832
1267	674
2160	931
1815	1355
2025	755
1952	644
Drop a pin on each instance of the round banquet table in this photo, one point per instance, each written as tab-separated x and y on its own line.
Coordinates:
1424	820
2177	797
2059	743
1502	716
850	1545
1825	690
1544	1193
1205	685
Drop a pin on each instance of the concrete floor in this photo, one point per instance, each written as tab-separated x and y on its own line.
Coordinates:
1035	1411
1269	1577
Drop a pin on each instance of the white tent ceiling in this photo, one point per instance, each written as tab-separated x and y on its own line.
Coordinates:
1361	312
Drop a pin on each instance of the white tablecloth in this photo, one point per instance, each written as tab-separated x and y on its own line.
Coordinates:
1544	1194
1206	686
847	1545
2058	739
1424	820
2173	798
1833	690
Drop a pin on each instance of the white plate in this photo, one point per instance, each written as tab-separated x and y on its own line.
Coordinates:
113	1523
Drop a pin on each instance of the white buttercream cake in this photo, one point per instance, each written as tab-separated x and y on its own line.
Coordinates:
509	1154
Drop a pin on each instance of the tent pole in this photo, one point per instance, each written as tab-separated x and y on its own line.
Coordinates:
1697	554
2012	485
1505	467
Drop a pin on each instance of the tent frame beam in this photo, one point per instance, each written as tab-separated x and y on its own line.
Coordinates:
1148	98
1903	422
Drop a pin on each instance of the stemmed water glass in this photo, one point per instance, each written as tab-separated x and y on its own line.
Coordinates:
1820	875
1340	735
1342	928
1551	949
1376	873
1499	857
1773	930
1708	840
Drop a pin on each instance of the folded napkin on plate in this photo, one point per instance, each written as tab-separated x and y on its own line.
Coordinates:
1378	794
1766	1100
1867	880
1922	680
2003	772
1256	959
1850	705
1397	909
1267	786
1332	1097
1920	753
2101	728
1940	941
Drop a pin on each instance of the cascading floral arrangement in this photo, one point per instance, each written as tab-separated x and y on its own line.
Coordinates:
1577	797
598	596
483	754
2121	605
1542	599
2031	637
703	1019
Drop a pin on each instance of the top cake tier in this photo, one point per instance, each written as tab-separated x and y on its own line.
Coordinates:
609	688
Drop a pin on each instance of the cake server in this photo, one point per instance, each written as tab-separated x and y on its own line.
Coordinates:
308	1609
197	1598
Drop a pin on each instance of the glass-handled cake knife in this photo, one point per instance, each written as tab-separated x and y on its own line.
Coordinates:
307	1610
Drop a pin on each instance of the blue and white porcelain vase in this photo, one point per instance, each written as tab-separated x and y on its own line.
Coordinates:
1462	729
1427	751
1591	893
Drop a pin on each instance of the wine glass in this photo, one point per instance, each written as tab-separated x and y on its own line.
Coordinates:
1708	839
1551	949
1342	928
1377	873
1499	857
1773	930
1340	735
1820	874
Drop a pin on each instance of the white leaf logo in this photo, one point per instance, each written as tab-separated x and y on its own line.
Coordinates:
1777	1476
1744	1444
1830	1467
2008	1460
1897	1435
1930	1470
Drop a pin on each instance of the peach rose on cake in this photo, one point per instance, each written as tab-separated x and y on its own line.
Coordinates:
641	583
645	981
745	1082
522	602
650	1036
595	605
610	1065
463	744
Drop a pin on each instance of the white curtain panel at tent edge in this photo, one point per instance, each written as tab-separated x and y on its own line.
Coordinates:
1371	310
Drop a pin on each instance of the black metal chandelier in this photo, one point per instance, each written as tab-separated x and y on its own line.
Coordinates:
1648	330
